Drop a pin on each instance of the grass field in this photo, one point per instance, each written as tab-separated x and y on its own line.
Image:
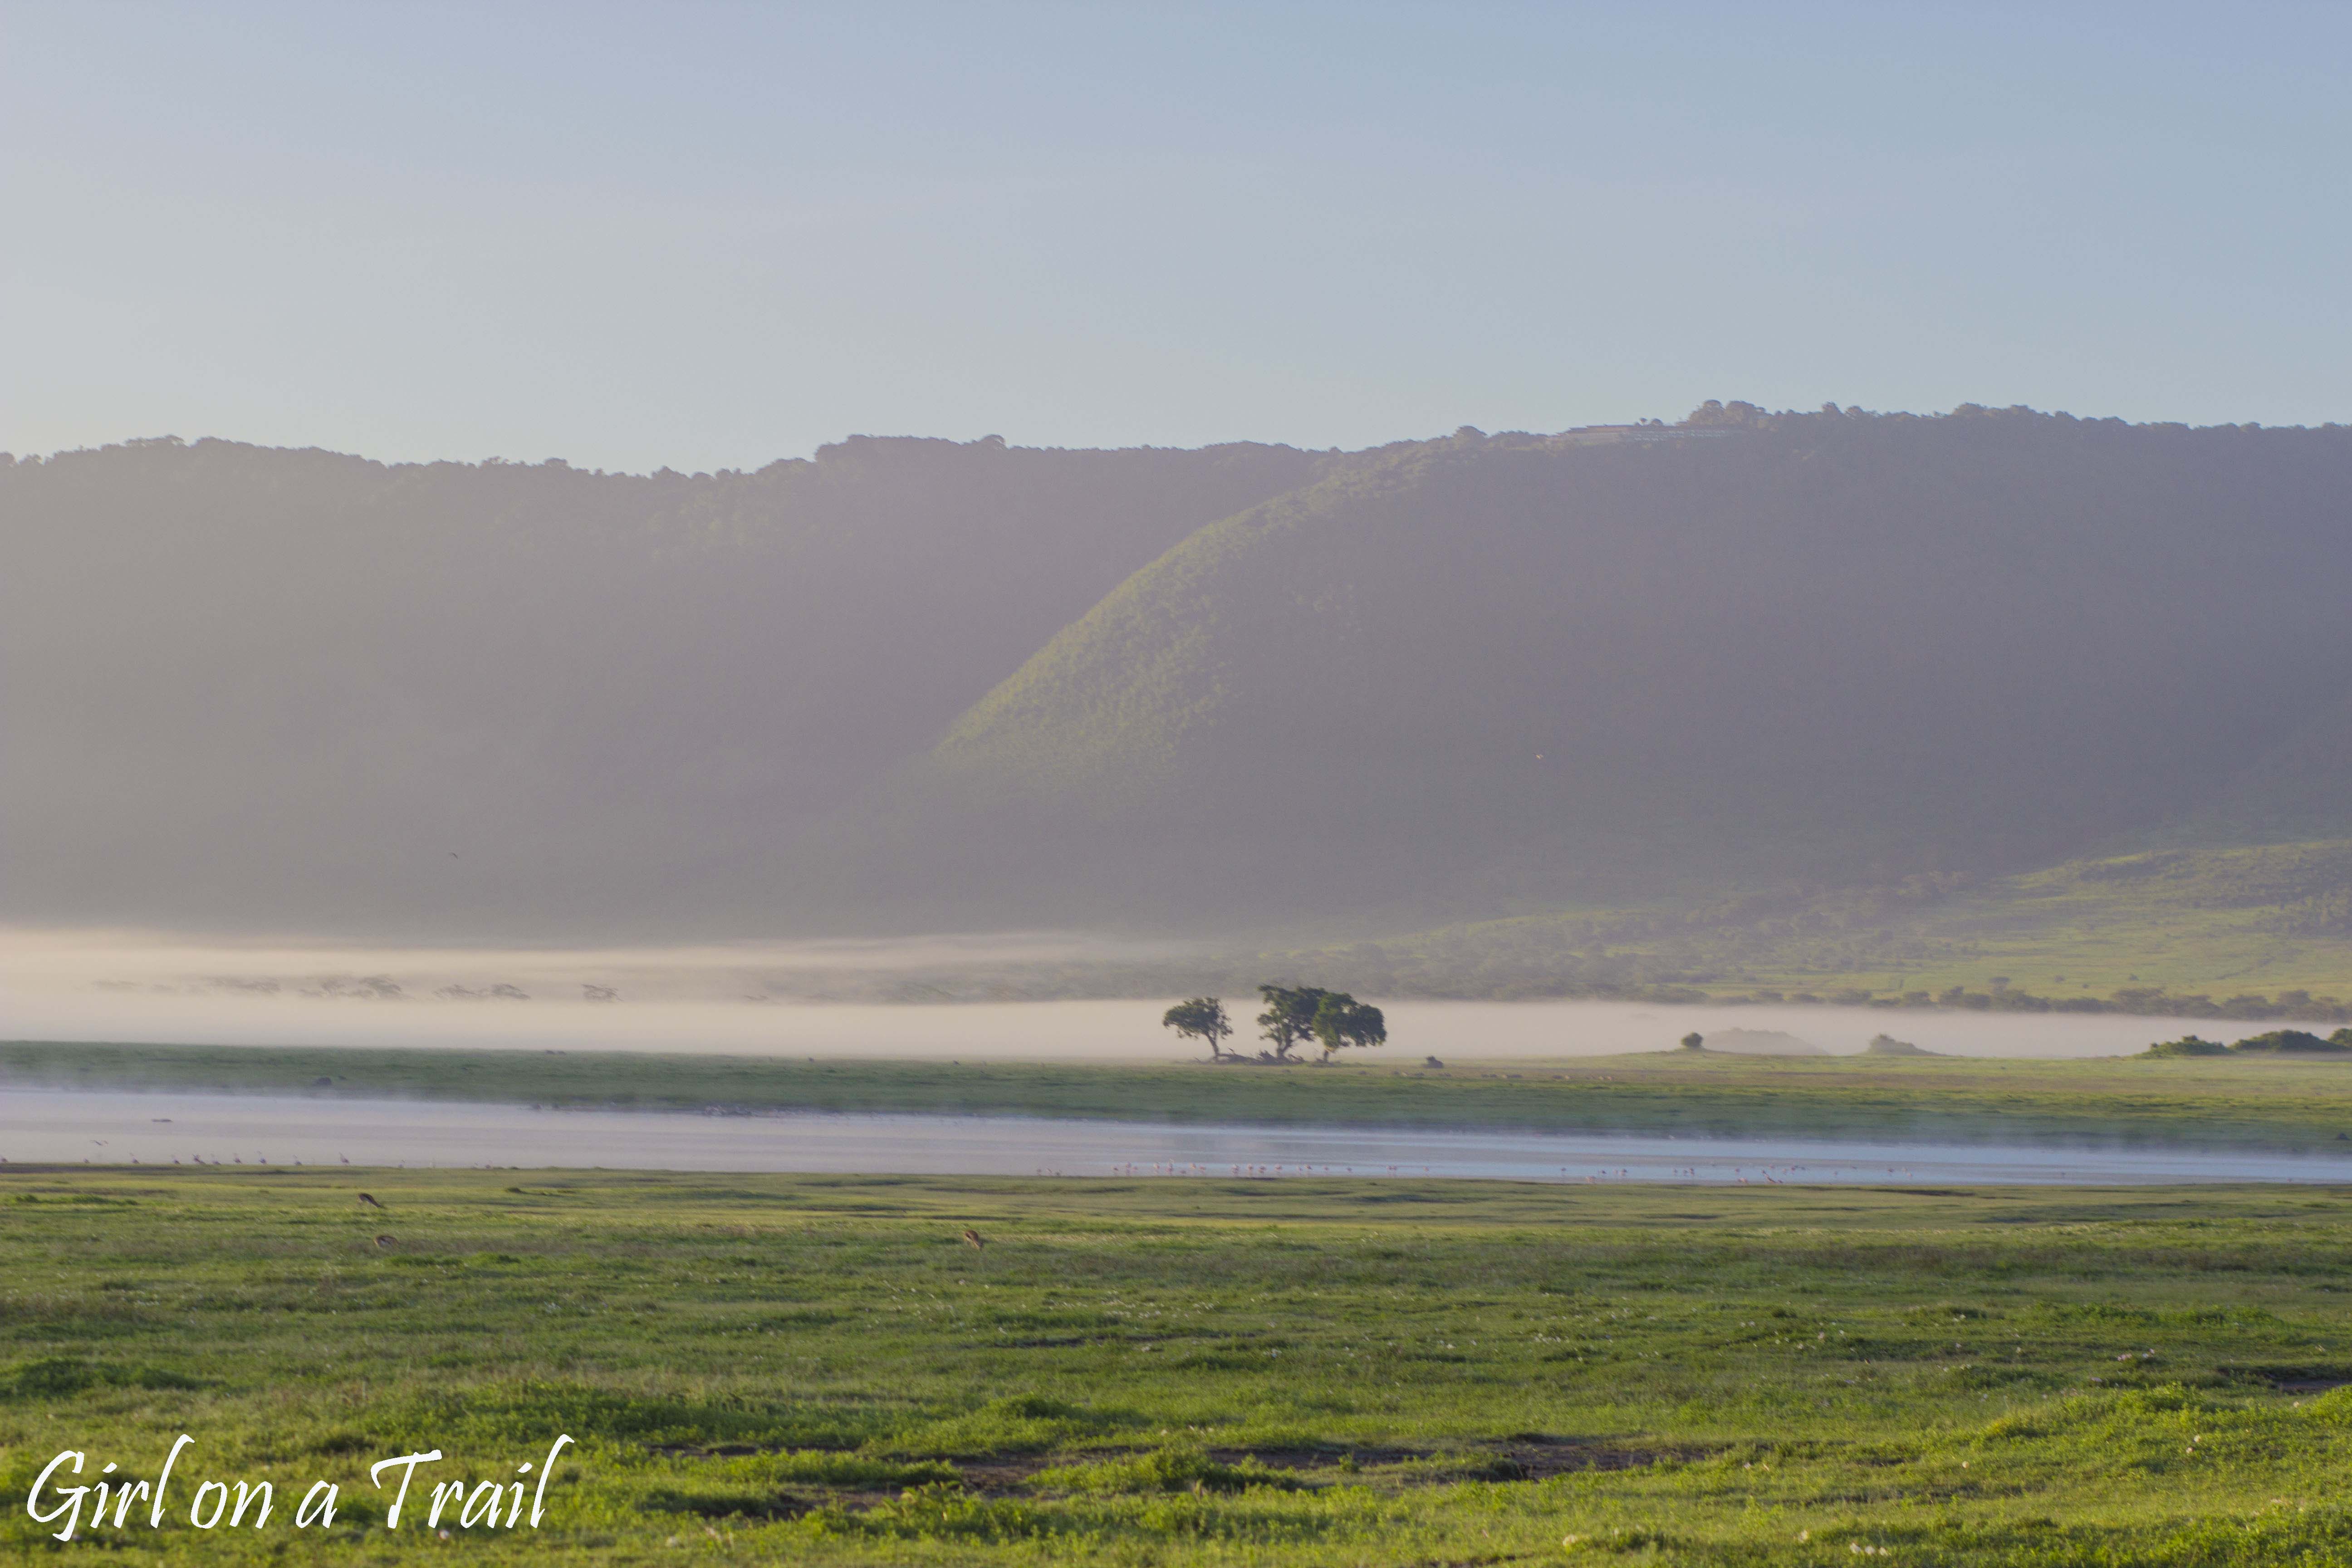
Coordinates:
2280	1104
820	1370
2269	926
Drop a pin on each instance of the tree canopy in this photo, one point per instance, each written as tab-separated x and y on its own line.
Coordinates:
1333	1019
1200	1019
1289	1016
1341	1021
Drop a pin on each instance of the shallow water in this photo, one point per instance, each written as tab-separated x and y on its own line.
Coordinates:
43	1126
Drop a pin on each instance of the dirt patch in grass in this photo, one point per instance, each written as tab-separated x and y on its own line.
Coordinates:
731	1504
1536	1458
2296	1379
1526	1458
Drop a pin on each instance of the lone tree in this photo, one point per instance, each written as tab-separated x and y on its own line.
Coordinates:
1200	1019
1341	1021
1289	1016
1694	1042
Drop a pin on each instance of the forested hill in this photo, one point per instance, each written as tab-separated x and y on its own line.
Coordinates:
1504	671
920	684
284	690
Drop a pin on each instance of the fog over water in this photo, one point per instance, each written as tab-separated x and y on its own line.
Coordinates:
766	999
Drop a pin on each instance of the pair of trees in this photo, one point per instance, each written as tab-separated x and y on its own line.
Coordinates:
1333	1019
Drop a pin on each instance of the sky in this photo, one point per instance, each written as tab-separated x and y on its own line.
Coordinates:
710	236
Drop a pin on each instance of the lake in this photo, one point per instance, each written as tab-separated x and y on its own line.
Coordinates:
71	1127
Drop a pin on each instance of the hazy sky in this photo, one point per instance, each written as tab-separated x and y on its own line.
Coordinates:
710	235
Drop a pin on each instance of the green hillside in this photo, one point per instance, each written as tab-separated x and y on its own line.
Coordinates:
2250	931
1557	671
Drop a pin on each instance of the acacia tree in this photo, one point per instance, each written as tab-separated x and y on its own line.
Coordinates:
1200	1018
1289	1016
1341	1021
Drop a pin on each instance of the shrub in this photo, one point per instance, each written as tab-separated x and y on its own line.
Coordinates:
2186	1046
2287	1040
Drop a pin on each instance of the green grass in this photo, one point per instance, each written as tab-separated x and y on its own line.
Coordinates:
2285	1104
819	1370
2249	932
2254	923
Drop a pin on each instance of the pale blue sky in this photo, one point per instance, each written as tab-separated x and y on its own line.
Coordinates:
710	235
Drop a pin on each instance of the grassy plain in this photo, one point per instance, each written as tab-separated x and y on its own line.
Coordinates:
2285	1104
820	1370
2258	920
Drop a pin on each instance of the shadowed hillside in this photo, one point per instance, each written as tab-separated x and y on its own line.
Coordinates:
284	689
920	685
2300	789
1840	648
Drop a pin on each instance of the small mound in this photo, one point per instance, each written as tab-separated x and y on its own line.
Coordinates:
2295	1040
1761	1043
2186	1046
1888	1045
